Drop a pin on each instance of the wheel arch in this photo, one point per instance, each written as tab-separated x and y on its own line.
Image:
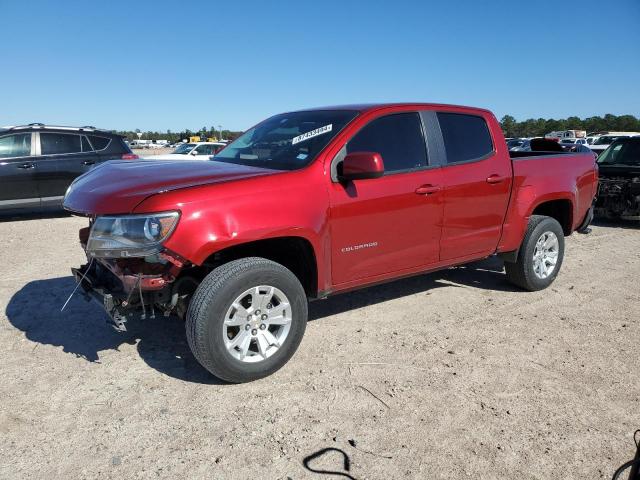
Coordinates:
560	209
293	252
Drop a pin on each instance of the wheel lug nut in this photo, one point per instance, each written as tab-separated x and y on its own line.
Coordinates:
269	306
257	312
248	318
247	327
264	316
263	326
254	332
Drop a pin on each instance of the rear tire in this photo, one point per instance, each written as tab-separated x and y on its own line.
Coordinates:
540	256
224	332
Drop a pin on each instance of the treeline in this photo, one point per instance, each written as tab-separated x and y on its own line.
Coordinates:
533	127
179	136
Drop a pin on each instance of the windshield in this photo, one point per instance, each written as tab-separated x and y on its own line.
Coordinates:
288	141
622	152
184	148
605	140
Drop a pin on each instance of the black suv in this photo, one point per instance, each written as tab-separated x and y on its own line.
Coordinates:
38	162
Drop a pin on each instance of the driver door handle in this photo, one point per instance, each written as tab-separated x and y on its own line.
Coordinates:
89	162
495	178
26	165
427	189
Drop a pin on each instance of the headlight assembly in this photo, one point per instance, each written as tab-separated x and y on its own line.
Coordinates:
130	235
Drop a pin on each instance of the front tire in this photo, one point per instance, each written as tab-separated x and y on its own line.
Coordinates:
246	319
540	256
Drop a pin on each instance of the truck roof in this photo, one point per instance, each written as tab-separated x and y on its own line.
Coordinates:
365	107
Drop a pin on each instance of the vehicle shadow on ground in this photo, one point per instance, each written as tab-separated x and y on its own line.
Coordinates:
486	275
33	215
627	223
81	329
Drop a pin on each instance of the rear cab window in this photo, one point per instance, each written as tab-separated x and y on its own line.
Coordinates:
466	137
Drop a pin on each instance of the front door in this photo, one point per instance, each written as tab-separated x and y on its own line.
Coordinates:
17	172
391	223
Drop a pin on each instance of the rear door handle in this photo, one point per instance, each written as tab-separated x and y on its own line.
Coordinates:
25	166
495	178
89	162
427	189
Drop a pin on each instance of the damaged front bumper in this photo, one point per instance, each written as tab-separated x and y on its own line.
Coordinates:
130	288
619	196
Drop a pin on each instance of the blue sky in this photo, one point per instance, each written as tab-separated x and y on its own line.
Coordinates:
172	65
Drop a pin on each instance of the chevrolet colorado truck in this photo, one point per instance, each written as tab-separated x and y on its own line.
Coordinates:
312	203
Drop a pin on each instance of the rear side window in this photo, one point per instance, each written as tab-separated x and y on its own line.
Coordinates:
15	145
397	138
99	143
86	147
58	143
466	137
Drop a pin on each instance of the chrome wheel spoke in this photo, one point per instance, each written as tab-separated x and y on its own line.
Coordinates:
279	320
270	338
263	344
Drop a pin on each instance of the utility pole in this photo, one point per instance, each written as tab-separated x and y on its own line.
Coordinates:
220	128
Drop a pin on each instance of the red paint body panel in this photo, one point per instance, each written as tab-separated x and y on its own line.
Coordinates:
361	232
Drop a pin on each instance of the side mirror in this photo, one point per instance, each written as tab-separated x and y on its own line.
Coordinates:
361	166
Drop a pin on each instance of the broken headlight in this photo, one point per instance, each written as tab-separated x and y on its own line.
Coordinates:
130	235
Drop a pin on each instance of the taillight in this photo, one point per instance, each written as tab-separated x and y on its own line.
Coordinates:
129	156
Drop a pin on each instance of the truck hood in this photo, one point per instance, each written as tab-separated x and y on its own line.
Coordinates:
119	186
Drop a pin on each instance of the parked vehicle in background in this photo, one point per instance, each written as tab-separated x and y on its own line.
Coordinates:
601	143
619	188
574	141
566	134
524	146
192	151
140	143
515	142
311	203
38	162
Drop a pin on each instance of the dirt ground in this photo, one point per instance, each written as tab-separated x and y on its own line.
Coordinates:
443	376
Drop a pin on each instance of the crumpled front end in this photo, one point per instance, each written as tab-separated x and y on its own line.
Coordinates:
619	197
141	287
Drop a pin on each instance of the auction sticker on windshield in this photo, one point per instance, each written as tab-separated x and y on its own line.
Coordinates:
311	134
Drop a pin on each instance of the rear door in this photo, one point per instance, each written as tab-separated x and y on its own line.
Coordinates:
391	223
17	172
62	157
477	180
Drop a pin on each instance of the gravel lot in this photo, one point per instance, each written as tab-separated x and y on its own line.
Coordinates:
441	376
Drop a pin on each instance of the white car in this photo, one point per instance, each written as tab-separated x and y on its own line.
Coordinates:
574	141
192	151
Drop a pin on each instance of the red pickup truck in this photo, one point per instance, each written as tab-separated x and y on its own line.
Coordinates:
311	203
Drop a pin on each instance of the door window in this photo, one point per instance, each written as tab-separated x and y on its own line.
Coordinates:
397	138
59	143
86	146
466	137
99	143
15	145
204	150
